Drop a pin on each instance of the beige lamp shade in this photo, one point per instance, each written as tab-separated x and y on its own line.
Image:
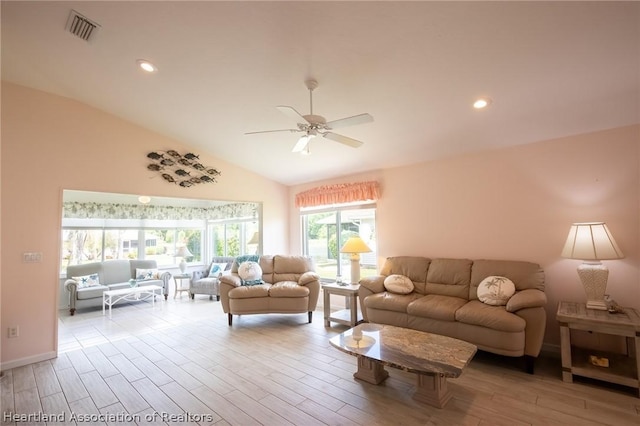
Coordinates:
255	238
183	252
592	242
355	245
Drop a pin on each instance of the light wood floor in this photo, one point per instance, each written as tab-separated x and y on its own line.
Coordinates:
274	370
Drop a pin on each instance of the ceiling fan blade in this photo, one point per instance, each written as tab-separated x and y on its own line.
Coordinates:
342	139
301	144
292	113
272	131
350	121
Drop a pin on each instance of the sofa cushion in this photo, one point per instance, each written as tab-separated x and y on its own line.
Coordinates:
250	272
523	274
398	284
85	281
449	277
288	289
415	268
496	290
249	291
436	306
391	302
290	268
91	292
494	317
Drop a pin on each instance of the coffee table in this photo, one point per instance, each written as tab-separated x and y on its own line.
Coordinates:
433	358
111	297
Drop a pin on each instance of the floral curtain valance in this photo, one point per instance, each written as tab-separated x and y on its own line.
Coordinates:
338	194
78	210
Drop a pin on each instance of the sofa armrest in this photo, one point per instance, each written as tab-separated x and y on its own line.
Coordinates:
375	283
72	287
165	277
308	277
529	298
232	280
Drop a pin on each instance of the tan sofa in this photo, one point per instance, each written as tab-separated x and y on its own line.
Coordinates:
290	287
444	301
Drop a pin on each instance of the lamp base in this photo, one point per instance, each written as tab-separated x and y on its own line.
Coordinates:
355	268
597	305
594	276
183	266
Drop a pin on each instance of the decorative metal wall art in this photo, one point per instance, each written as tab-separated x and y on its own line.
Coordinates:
184	170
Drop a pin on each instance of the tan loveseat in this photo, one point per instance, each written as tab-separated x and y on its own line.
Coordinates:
444	301
290	287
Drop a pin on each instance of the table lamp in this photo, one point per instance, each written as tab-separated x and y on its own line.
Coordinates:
592	242
183	252
355	246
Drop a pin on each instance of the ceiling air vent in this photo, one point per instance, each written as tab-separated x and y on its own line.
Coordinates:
81	26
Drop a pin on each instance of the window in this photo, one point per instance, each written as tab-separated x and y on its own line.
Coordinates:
101	226
325	230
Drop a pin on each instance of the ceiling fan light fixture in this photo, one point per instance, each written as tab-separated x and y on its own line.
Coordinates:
147	66
481	103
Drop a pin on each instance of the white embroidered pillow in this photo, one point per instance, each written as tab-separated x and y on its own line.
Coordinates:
398	284
147	274
496	290
250	272
85	281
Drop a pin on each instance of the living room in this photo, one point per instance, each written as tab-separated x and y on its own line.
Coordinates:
506	201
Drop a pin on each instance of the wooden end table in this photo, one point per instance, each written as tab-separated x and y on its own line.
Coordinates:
622	369
179	286
349	316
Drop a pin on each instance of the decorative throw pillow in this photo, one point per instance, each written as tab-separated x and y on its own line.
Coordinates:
216	269
87	280
250	273
496	290
398	284
246	258
147	274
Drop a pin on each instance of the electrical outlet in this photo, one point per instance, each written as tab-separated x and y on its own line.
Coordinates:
14	331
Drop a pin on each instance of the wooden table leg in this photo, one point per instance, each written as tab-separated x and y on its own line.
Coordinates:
565	353
327	308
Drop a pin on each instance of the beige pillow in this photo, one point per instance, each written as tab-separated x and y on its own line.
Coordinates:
398	284
496	290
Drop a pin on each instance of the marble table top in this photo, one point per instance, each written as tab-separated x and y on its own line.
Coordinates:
410	350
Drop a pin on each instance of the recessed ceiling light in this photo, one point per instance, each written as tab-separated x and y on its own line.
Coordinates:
481	103
147	66
144	199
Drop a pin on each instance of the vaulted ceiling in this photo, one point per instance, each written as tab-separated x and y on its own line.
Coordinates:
551	69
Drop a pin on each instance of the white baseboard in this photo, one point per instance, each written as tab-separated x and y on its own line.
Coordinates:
28	360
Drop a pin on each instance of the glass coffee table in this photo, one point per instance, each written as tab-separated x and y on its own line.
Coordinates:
432	357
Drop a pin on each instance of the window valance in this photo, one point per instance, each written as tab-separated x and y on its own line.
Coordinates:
90	210
338	194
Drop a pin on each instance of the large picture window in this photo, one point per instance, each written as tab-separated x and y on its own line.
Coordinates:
115	226
326	229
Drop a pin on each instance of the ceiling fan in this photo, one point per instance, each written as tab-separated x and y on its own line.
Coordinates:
312	125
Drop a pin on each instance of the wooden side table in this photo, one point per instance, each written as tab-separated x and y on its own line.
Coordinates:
179	286
622	370
349	316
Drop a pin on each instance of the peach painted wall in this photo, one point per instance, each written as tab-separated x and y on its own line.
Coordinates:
50	143
515	203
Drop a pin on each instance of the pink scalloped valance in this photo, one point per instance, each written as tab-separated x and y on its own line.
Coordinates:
338	194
